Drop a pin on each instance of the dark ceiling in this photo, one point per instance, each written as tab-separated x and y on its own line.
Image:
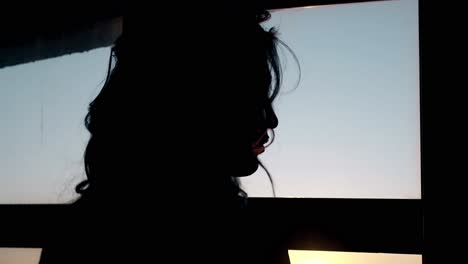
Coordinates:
35	31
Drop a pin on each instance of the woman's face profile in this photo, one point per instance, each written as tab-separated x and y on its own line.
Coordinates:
205	108
250	117
244	150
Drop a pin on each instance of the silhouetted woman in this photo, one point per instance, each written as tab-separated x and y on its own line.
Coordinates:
180	118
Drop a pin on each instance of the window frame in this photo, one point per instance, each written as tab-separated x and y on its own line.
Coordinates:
353	225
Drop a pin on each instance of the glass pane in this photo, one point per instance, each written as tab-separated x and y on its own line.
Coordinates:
351	128
20	255
42	107
334	257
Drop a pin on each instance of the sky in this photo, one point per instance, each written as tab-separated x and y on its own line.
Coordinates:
349	129
42	107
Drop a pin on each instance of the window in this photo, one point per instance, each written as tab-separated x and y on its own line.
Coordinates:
42	108
19	255
345	87
328	257
351	127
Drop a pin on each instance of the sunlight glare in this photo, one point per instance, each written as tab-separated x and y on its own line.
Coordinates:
336	257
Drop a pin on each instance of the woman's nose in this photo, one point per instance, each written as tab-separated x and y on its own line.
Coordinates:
271	119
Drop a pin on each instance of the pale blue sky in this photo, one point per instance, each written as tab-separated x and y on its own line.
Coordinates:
42	106
351	128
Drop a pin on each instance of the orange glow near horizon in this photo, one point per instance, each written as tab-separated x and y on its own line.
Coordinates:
335	257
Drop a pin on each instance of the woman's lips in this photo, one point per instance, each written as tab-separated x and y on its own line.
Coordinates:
259	150
261	140
258	147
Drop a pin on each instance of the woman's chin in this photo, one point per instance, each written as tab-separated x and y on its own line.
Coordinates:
240	163
246	169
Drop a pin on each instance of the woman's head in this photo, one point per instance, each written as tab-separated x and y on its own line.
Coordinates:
202	108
